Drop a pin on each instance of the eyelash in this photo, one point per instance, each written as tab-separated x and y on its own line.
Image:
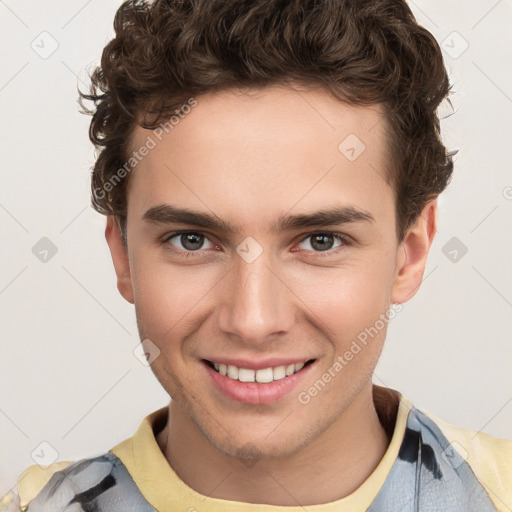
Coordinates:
346	241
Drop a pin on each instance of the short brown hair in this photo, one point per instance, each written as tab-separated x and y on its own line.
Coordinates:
362	51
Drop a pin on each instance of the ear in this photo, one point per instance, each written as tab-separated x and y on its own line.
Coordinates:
412	254
120	258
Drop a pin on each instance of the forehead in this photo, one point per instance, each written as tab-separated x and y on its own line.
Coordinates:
259	115
265	150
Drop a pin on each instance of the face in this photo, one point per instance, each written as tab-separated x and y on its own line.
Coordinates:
291	256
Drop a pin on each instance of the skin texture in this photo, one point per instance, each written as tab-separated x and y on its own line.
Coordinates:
248	159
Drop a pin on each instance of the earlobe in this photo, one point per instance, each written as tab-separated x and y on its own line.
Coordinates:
412	254
119	258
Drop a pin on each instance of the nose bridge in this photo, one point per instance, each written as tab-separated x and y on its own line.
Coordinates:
254	303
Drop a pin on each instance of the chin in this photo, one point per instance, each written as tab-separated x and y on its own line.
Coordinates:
251	451
251	445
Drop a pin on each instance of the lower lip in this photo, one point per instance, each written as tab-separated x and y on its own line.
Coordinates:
254	392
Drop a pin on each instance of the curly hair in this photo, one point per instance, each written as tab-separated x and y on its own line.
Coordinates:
364	52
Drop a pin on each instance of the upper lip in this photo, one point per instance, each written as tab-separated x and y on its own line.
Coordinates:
254	364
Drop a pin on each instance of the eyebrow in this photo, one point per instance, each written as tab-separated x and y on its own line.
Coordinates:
168	214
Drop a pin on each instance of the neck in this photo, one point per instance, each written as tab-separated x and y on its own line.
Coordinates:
330	467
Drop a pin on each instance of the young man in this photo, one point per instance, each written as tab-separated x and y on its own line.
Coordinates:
269	171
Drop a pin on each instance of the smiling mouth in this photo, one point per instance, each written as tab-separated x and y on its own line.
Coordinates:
262	376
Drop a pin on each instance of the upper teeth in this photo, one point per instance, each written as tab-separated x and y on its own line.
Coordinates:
264	375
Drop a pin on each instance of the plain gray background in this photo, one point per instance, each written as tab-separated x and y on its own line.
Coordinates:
68	374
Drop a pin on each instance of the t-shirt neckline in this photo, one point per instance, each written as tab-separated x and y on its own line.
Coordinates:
164	490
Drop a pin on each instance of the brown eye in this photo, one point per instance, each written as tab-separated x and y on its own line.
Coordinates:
191	241
187	241
321	242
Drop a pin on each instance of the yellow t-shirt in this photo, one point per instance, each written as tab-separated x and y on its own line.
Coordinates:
429	465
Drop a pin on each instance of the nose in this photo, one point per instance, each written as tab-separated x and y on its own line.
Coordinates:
256	302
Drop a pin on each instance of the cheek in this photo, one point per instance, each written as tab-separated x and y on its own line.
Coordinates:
167	296
348	298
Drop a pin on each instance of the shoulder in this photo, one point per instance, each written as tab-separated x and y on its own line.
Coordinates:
487	458
34	478
55	483
102	483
